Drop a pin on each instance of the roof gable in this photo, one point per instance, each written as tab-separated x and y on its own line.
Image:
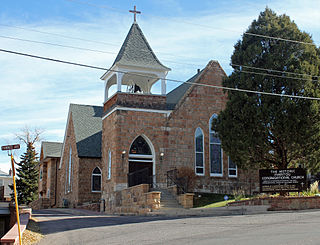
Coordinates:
51	149
136	51
177	94
87	122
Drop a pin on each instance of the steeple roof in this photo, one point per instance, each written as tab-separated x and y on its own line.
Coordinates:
136	51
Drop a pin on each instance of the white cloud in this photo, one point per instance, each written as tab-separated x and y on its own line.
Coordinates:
37	92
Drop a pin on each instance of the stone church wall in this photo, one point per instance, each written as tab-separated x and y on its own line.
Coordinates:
172	135
85	194
193	111
69	198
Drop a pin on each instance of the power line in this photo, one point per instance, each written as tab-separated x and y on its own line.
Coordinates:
85	49
272	70
111	44
55	44
201	25
278	76
169	61
60	35
91	41
172	80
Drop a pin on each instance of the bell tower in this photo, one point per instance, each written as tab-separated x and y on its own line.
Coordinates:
135	66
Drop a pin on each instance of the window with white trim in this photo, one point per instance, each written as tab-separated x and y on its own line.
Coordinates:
96	180
216	166
69	173
109	165
199	156
40	173
232	168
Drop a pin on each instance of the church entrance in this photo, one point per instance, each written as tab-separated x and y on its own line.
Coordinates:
140	163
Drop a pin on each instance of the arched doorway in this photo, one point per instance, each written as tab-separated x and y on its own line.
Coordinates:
141	162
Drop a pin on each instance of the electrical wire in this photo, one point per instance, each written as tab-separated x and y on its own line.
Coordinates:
272	70
96	42
60	35
169	61
85	49
278	76
55	44
200	25
166	79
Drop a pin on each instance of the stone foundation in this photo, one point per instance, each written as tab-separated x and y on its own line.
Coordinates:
282	203
41	203
186	200
135	200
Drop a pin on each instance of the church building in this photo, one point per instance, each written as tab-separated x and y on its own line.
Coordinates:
142	139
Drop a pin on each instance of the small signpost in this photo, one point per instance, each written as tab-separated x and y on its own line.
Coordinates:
282	180
9	148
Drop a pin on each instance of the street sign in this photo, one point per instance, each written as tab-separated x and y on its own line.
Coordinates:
282	180
10	147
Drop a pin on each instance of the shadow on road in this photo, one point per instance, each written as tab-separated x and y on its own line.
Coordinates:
53	222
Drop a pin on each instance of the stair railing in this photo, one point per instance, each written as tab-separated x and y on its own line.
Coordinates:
172	179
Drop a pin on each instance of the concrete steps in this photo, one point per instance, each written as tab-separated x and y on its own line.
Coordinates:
167	201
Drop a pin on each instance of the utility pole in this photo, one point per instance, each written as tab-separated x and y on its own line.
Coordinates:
10	148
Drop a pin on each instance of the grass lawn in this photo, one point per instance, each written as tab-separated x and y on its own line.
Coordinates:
210	200
205	199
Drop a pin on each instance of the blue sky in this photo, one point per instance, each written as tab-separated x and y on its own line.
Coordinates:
184	34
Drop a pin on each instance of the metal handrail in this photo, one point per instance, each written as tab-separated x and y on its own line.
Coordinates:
175	181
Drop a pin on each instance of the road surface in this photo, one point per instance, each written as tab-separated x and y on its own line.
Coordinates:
292	228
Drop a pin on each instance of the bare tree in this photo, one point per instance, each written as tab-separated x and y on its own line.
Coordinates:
28	135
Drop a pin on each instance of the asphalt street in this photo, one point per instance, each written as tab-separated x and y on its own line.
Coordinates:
272	228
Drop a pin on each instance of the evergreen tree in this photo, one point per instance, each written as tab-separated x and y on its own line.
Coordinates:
27	183
271	131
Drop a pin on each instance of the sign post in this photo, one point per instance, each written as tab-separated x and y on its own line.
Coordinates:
9	148
282	180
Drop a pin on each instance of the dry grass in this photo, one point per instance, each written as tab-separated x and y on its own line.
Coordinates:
32	234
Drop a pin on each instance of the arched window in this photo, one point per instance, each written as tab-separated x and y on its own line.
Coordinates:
140	147
216	167
109	165
199	159
96	180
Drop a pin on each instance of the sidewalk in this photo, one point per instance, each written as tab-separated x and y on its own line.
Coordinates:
179	212
221	211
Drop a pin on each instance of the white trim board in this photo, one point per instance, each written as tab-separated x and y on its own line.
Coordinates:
167	112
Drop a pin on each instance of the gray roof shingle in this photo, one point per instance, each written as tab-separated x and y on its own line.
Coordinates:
136	51
51	149
87	122
4	174
176	94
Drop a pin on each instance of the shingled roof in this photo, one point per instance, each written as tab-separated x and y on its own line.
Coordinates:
176	94
87	122
136	51
51	149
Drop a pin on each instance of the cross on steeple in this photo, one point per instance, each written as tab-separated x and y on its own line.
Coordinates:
135	12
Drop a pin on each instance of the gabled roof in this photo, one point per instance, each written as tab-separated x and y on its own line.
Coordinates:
176	94
4	174
136	51
51	149
87	122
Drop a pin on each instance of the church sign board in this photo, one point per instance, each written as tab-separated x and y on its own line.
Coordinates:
287	180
